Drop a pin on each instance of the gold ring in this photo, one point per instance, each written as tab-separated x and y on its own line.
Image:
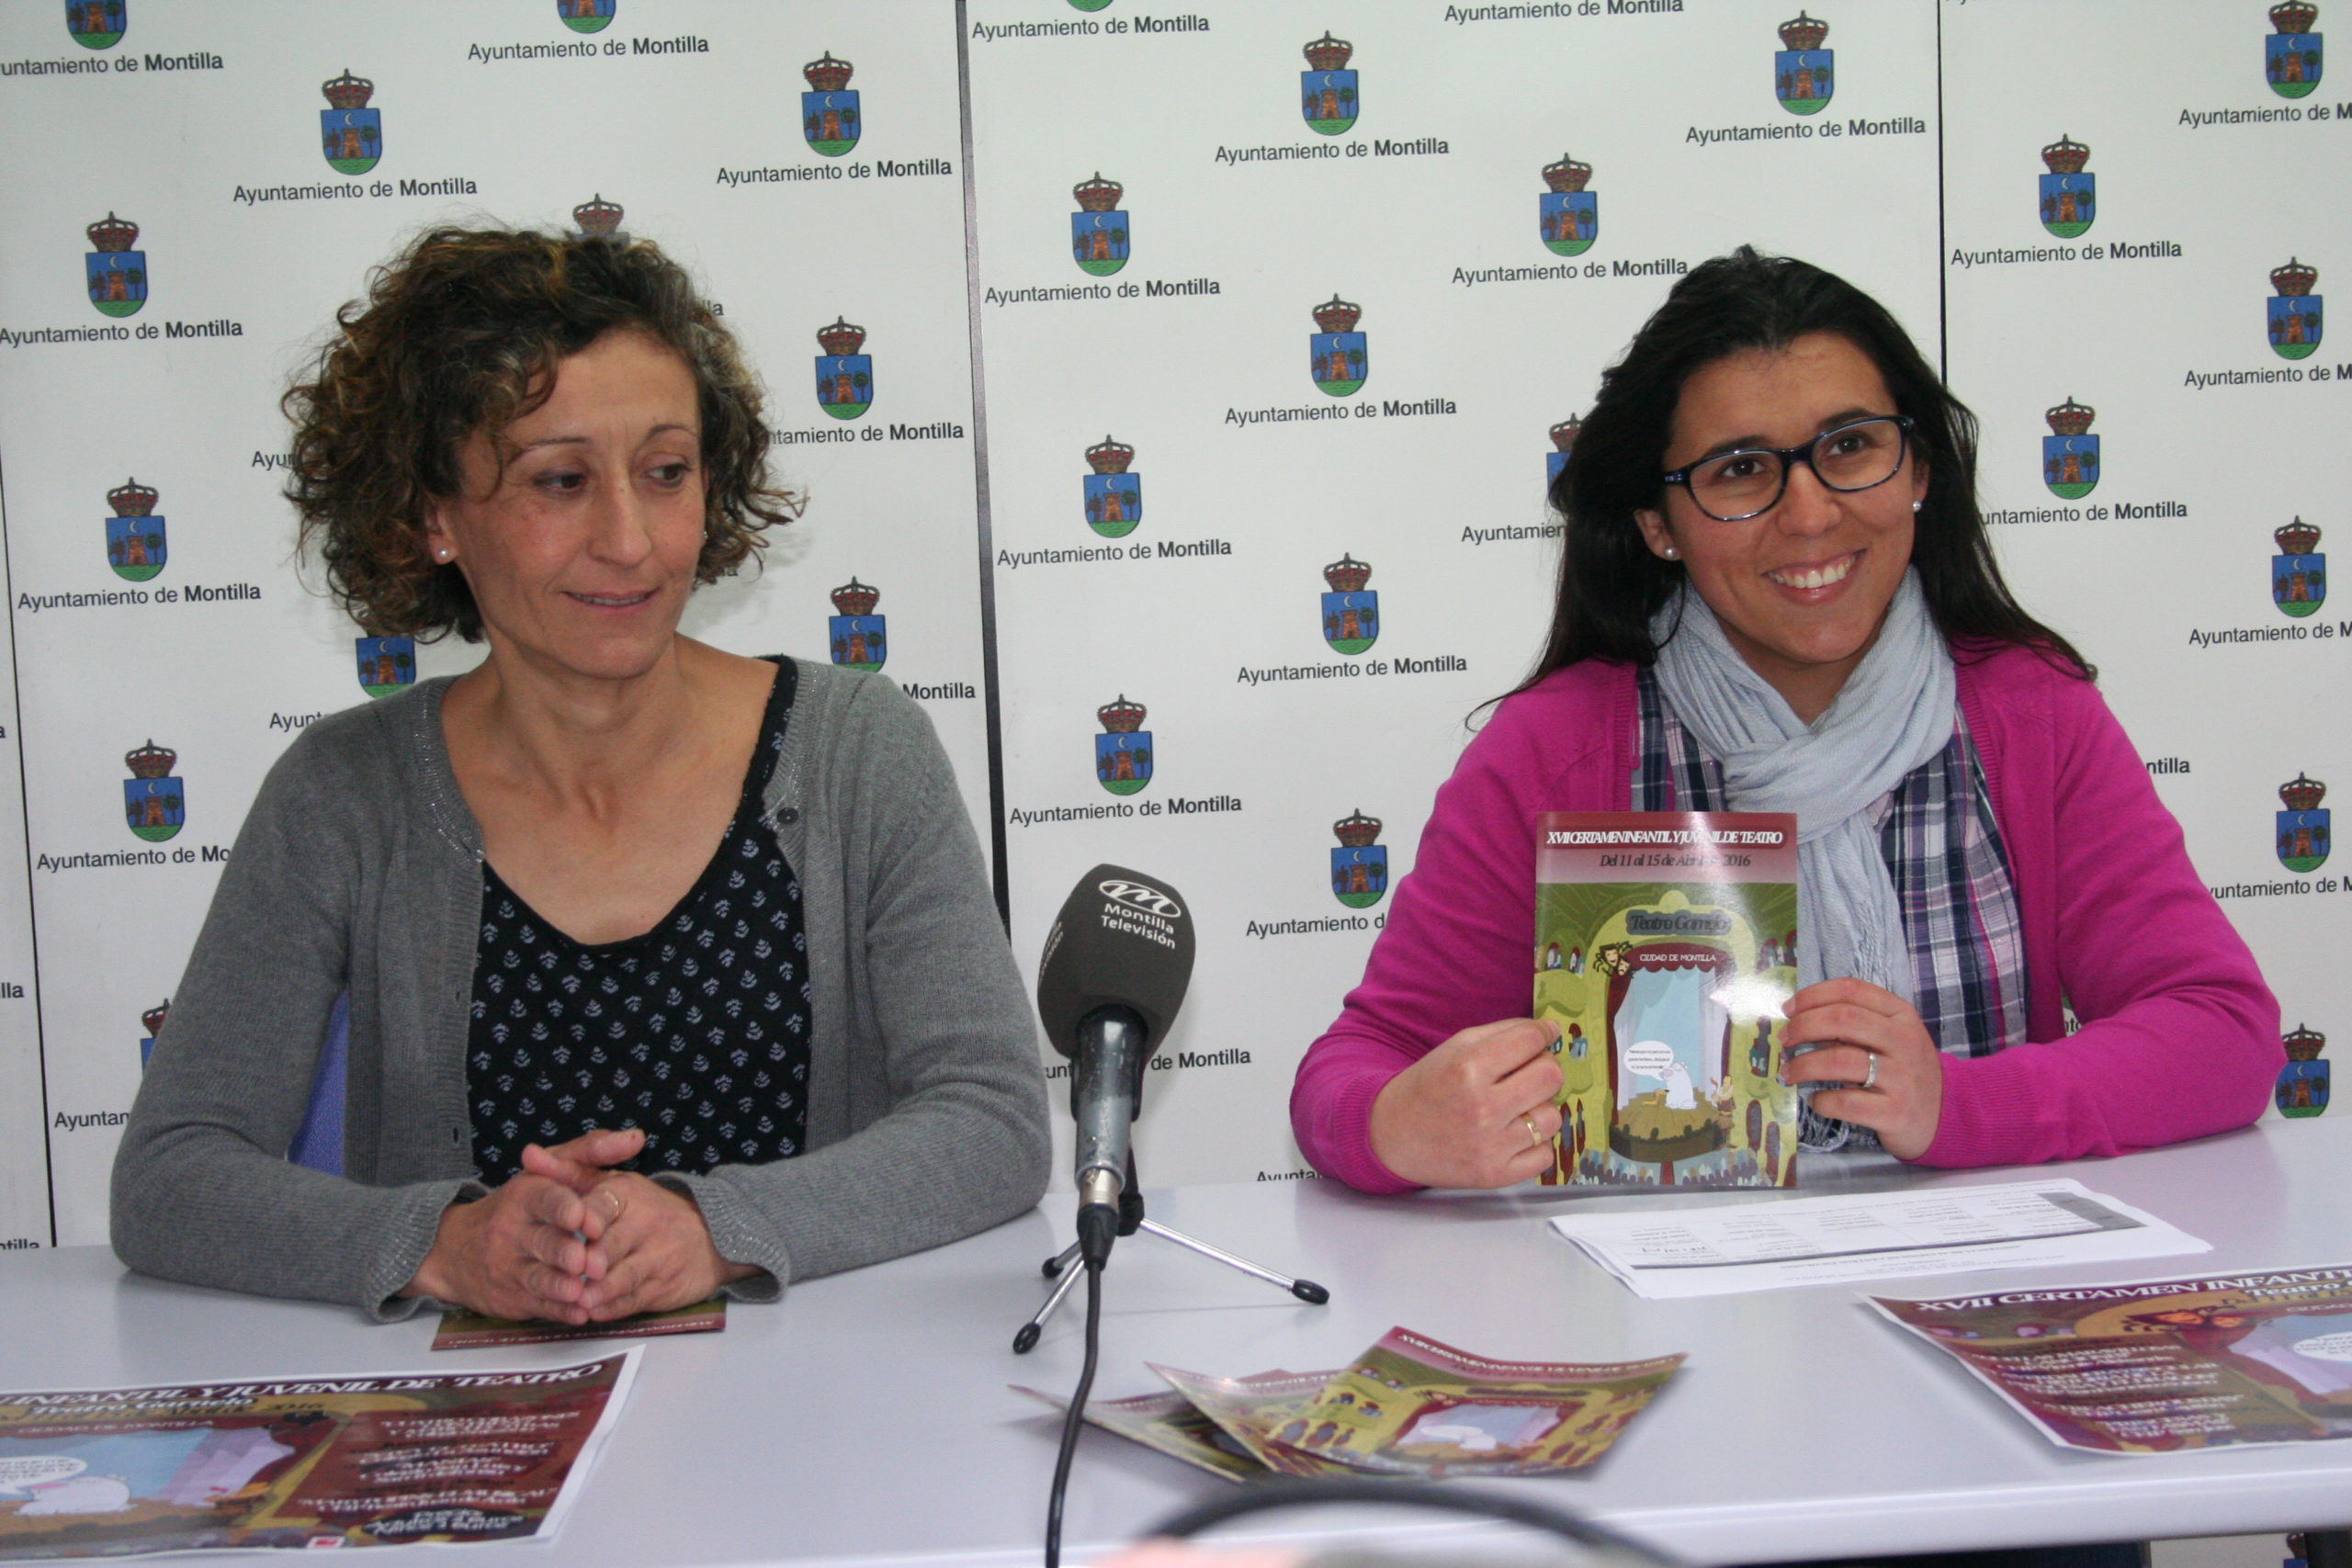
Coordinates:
620	1206
1534	1138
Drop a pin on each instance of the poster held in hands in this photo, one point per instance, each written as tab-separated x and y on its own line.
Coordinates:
1666	945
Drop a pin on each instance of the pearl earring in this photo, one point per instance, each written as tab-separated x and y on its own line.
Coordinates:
1671	553
1917	505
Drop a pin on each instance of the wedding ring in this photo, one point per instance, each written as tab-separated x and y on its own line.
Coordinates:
1534	1138
620	1206
1870	1078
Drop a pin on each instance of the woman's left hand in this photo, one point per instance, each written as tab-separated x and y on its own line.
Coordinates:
656	1248
1872	1042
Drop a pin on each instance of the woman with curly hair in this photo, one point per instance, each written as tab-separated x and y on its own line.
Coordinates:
667	971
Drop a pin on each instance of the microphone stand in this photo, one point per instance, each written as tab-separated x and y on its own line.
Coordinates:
1131	1219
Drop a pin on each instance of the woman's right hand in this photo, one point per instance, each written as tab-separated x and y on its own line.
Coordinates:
1477	1111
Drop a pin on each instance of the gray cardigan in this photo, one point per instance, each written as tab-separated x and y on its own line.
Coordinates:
359	869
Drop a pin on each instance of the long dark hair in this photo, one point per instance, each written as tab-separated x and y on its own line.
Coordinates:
1611	585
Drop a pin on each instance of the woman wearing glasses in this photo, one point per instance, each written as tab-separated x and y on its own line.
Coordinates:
1776	594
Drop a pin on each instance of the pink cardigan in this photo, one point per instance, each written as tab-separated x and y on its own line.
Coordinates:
2180	1034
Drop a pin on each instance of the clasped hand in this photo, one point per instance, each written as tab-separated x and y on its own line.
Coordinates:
572	1240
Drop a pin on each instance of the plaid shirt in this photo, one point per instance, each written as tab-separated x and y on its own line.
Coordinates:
1943	850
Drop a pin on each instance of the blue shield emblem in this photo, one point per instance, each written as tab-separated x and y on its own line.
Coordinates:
2291	64
98	24
1122	760
2302	1088
2299	584
845	384
2070	465
1555	463
2069	203
1359	875
386	663
2302	840
118	281
1327	101
1569	220
155	808
1339	361
2294	324
1352	620
353	140
135	546
1098	242
1113	503
830	122
857	641
1803	79
586	16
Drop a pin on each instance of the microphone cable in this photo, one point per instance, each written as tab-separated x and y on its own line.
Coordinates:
1605	1544
1075	1417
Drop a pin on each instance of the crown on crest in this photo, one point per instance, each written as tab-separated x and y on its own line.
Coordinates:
2297	538
1347	575
112	233
150	762
1328	53
2294	278
1098	194
132	499
1568	174
2293	15
2304	1044
1356	830
1803	32
828	75
1109	458
841	337
1121	718
2303	794
348	92
2065	156
1337	315
1564	434
597	218
855	598
2070	418
154	1017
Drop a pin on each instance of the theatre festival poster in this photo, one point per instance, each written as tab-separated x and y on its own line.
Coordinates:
301	1464
2159	1366
1666	945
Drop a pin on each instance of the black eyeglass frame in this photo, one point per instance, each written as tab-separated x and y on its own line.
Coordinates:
1791	457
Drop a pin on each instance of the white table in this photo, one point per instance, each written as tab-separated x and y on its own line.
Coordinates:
867	1419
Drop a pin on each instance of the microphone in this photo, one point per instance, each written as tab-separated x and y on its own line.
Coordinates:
1116	964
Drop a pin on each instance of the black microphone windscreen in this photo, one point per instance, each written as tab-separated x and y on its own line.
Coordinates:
1122	939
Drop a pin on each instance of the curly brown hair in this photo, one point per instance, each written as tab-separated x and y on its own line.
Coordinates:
461	333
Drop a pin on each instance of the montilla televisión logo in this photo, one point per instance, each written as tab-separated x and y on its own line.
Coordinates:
2290	55
136	548
352	134
1360	865
856	634
98	24
386	663
2069	194
154	804
1563	444
2070	452
2294	311
1567	216
1328	90
844	377
2299	571
1804	73
2303	827
1098	229
1114	497
1338	356
1123	751
116	273
1350	611
829	114
586	16
153	1018
2303	1082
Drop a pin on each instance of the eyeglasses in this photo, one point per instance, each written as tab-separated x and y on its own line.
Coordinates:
1732	487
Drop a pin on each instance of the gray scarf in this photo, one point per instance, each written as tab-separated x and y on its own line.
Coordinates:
1895	713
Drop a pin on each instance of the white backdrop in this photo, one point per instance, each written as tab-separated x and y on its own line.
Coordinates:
946	232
